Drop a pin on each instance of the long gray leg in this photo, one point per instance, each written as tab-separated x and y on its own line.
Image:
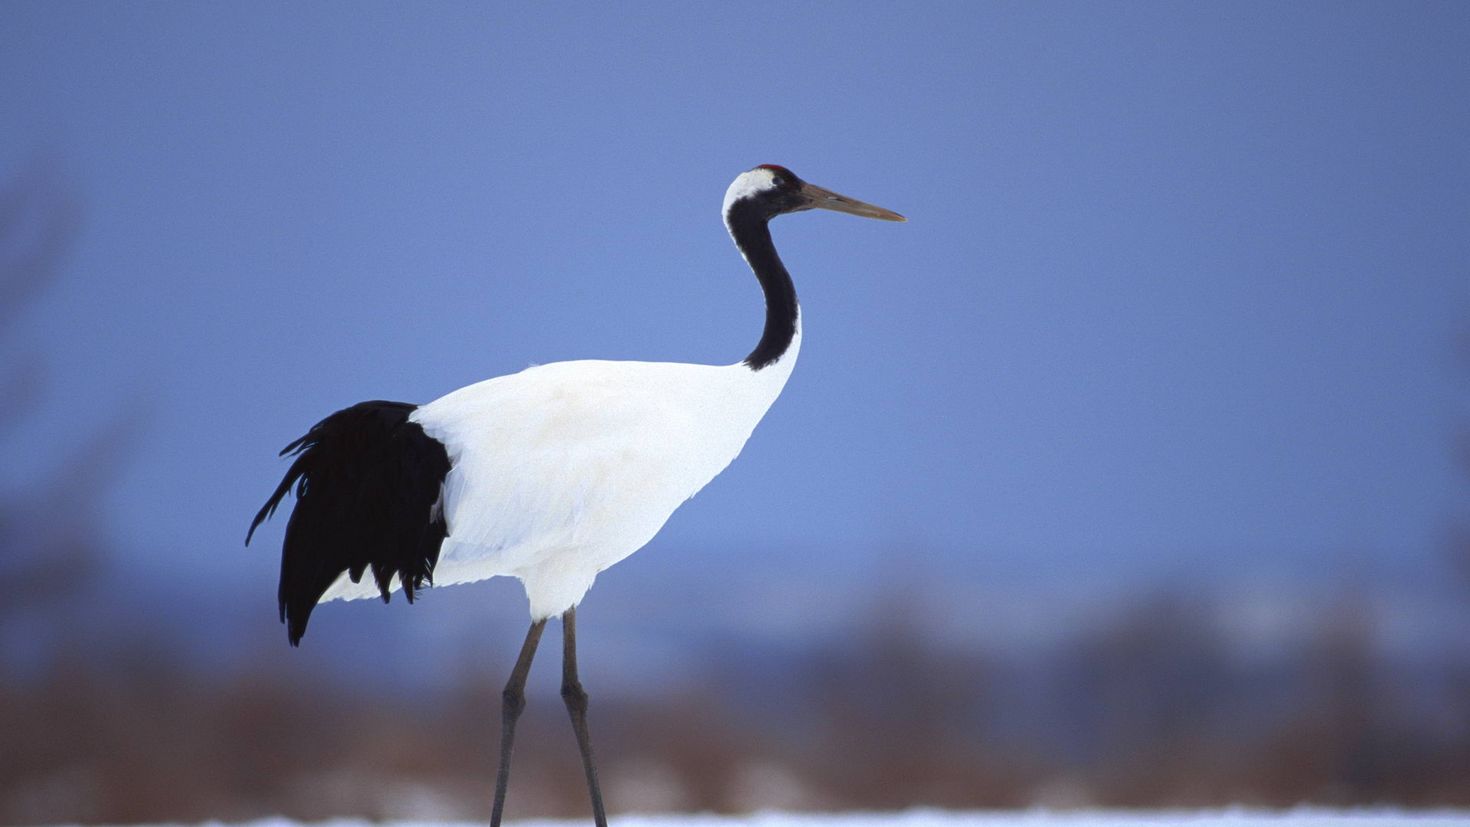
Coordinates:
576	699
512	701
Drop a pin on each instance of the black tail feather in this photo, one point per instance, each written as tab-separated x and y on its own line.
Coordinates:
269	509
367	481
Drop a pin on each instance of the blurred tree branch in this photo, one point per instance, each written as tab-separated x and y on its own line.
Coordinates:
49	543
38	222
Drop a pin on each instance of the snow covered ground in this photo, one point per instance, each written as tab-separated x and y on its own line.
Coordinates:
1304	817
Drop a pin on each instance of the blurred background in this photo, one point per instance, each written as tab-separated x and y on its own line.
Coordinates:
1132	471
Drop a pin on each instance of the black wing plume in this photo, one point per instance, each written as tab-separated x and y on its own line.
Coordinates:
368	486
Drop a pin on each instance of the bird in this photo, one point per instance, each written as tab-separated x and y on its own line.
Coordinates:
549	475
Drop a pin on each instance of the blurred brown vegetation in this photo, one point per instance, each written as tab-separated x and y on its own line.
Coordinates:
1150	709
1151	706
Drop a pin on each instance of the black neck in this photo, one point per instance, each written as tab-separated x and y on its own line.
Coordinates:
752	233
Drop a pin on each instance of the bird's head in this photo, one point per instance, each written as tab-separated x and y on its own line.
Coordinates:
770	190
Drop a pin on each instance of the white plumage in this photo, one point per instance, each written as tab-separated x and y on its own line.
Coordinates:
562	470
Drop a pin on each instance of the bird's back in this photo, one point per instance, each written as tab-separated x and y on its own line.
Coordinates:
561	470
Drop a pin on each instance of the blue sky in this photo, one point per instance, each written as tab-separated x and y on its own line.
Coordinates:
1182	283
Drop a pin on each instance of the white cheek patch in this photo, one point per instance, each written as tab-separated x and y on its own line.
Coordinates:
747	184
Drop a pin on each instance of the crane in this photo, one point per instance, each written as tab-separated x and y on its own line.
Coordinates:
549	475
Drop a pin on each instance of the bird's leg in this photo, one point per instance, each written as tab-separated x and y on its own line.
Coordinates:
576	700
512	701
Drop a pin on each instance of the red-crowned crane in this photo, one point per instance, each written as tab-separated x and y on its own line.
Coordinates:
549	475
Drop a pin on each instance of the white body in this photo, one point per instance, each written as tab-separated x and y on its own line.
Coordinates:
562	470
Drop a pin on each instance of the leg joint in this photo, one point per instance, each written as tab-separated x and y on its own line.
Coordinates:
512	700
574	695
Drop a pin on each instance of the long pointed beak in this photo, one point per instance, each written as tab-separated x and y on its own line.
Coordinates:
828	200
